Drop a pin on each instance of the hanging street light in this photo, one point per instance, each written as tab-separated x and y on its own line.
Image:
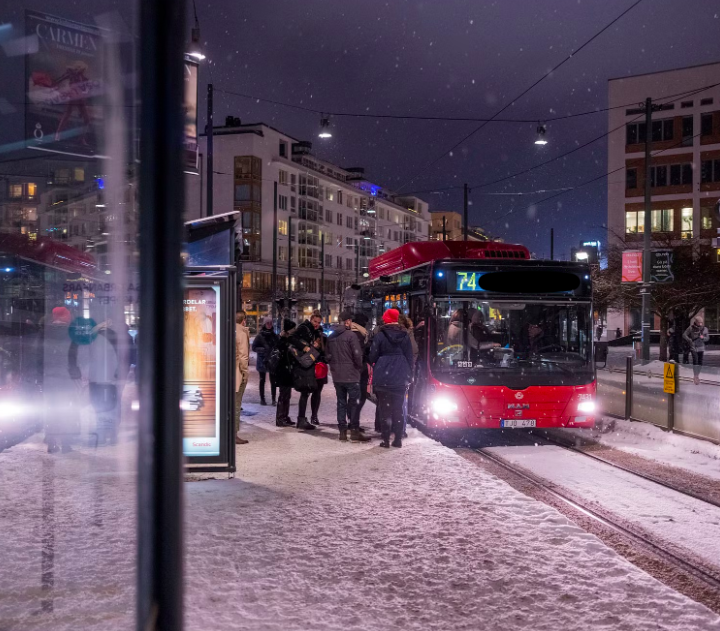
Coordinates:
325	127
541	140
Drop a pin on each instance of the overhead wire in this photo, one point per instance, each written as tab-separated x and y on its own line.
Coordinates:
523	93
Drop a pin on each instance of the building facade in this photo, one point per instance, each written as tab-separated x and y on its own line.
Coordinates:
685	164
330	220
448	225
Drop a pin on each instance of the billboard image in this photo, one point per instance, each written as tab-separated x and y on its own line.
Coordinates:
64	83
632	266
191	114
201	370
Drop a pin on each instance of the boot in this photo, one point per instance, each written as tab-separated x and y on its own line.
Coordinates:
289	422
357	437
241	441
273	402
303	424
343	435
263	401
385	444
397	442
280	422
315	420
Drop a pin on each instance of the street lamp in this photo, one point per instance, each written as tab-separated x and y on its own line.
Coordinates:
541	140
325	127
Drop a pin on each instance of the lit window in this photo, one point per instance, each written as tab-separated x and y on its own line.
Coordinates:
718	255
79	174
686	223
16	190
282	227
706	214
662	220
634	222
31	189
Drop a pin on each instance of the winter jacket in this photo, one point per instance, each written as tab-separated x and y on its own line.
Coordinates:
283	373
392	358
362	336
303	367
697	336
262	345
242	354
345	355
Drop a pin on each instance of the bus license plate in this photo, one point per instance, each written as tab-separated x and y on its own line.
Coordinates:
517	423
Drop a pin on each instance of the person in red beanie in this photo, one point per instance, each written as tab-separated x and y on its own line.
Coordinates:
392	358
61	315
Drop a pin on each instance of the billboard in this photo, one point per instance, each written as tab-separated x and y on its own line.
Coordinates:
202	339
64	84
632	266
190	107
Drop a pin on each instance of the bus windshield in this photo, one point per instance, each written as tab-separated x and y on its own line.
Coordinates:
513	343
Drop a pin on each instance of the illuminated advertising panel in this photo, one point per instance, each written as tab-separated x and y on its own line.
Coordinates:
632	266
203	339
190	106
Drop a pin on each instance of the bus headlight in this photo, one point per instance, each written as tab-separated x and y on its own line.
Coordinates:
586	407
444	406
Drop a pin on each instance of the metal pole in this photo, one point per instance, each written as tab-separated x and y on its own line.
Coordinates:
275	246
160	549
647	237
465	211
322	277
444	232
357	263
289	280
210	133
552	244
628	386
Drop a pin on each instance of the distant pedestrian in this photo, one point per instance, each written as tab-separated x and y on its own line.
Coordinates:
242	369
283	376
618	333
262	346
345	356
392	360
696	336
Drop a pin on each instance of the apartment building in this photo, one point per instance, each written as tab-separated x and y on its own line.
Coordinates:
685	163
449	224
329	219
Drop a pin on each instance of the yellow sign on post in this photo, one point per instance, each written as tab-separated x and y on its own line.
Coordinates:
669	378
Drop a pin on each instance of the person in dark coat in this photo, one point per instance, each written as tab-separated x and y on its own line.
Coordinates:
359	324
284	376
345	355
305	349
262	346
392	358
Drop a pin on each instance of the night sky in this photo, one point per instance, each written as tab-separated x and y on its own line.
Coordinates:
445	58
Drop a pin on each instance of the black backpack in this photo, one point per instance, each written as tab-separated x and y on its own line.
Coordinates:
272	361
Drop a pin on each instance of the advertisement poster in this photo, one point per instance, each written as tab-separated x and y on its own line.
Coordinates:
201	370
191	115
661	266
632	266
64	82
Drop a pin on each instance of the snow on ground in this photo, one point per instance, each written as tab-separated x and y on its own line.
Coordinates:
314	534
675	518
646	440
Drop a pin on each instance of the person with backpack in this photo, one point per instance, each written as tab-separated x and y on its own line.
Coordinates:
304	350
280	365
391	356
359	322
262	346
345	355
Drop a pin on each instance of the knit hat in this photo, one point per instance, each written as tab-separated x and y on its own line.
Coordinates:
345	315
267	320
288	325
361	319
391	316
61	315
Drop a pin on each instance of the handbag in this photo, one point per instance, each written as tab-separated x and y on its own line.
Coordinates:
321	370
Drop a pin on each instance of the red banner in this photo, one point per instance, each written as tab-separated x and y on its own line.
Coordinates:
632	266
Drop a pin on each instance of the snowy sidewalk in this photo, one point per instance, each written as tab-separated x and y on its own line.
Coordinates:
317	535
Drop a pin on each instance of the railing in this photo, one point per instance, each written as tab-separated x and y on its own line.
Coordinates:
633	390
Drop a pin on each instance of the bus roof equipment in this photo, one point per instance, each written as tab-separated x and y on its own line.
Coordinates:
416	253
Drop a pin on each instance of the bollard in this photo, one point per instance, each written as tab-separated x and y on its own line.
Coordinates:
671	401
628	386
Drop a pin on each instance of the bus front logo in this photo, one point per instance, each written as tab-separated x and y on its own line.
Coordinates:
519	395
471	380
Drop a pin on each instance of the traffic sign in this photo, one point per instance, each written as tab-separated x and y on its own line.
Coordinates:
669	378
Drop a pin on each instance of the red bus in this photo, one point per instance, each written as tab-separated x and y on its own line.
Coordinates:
504	341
